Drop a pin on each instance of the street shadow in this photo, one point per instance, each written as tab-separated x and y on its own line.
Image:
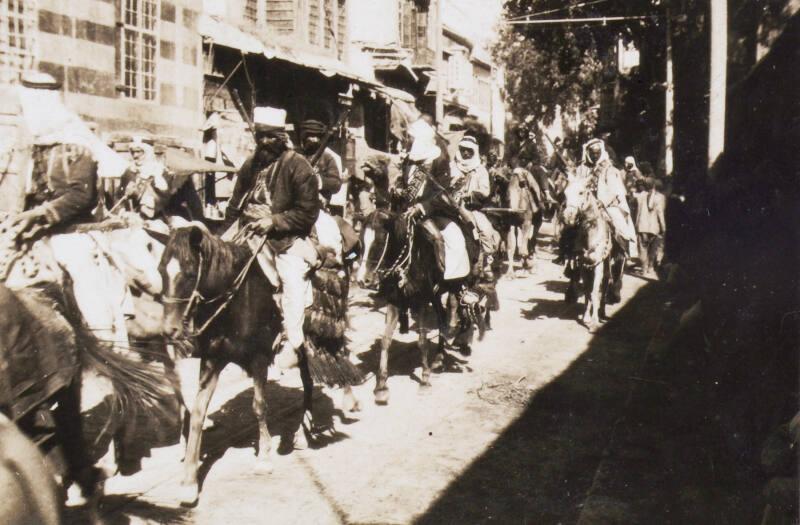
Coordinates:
235	424
552	309
405	358
127	510
542	465
559	286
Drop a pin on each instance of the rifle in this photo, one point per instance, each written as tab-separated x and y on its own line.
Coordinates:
567	165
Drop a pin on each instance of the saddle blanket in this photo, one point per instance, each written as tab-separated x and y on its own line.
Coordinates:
456	258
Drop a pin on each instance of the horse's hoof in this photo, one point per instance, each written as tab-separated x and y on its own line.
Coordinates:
425	381
382	397
300	440
264	464
351	404
188	495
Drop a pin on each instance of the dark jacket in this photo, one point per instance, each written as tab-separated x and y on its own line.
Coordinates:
64	184
294	197
329	173
433	199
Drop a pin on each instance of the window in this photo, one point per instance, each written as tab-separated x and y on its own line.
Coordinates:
251	10
329	30
139	46
18	19
314	22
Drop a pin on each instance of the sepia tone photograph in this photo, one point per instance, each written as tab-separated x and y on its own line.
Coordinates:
388	262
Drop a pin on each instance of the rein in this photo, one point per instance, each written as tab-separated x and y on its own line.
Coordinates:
196	298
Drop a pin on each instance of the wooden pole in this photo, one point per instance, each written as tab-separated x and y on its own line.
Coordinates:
718	80
439	64
669	105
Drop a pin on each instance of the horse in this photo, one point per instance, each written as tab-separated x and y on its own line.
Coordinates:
597	255
46	348
521	229
405	266
210	282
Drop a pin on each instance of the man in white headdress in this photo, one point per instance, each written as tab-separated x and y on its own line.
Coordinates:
611	192
472	189
144	185
61	192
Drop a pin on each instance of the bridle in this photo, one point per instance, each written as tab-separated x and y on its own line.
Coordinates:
193	300
196	297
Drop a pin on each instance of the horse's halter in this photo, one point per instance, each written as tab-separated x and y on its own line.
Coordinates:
194	298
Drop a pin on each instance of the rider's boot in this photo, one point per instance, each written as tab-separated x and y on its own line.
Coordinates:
452	317
438	248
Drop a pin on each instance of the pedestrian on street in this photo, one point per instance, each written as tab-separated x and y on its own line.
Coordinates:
650	225
632	174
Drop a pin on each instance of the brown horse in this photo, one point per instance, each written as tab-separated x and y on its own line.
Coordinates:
403	263
209	283
522	232
597	255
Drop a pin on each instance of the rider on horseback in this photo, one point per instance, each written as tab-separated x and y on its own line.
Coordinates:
610	191
472	191
277	194
425	193
61	192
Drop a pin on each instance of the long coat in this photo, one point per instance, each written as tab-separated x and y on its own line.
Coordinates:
293	196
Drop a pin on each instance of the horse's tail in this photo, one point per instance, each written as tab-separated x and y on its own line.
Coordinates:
136	386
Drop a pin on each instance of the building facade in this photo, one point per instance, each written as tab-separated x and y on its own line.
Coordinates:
402	48
127	65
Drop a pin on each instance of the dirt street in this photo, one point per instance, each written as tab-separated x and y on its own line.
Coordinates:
515	437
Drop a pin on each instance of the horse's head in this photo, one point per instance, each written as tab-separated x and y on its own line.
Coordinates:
181	269
577	198
374	239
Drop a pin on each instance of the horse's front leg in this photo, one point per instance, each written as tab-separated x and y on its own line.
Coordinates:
307	421
511	248
259	368
209	375
587	278
423	350
596	293
381	388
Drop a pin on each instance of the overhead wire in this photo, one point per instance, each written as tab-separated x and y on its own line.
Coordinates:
551	11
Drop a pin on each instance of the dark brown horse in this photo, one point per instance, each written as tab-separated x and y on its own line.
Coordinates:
211	284
197	265
403	263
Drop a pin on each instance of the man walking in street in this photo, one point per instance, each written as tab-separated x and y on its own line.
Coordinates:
650	225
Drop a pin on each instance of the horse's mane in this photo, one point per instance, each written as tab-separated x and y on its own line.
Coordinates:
222	258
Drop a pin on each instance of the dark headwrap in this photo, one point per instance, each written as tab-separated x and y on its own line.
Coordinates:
313	127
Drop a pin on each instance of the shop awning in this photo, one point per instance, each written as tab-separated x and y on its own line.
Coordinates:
181	163
224	34
396	94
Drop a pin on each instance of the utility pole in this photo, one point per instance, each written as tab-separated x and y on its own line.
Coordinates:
669	103
718	80
439	64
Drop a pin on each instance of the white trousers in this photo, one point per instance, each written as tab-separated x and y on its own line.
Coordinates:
292	267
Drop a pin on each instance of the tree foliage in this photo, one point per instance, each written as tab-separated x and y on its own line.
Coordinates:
564	66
